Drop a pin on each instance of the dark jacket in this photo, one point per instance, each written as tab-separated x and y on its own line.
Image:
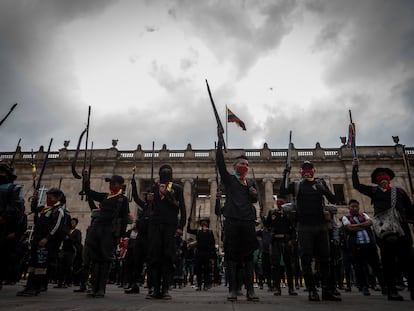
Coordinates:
239	201
113	211
310	200
164	211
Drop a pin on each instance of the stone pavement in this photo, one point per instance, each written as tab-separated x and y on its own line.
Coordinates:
187	299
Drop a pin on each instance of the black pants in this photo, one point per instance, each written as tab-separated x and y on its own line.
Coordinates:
282	250
365	255
395	254
239	240
161	252
314	244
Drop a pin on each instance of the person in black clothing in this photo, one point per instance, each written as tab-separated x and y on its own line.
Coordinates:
71	245
282	236
140	243
85	268
312	230
395	249
105	231
13	221
204	253
240	224
166	201
128	270
76	238
48	235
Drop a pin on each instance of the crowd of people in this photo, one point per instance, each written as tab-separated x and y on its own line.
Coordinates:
300	239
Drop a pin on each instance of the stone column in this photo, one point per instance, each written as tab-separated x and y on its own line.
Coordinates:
213	217
187	195
268	197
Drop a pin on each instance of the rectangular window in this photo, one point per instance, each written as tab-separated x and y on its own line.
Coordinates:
339	194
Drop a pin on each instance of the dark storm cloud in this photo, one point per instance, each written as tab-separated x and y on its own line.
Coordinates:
367	48
237	34
36	70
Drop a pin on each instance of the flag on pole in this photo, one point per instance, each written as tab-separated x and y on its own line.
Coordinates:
231	117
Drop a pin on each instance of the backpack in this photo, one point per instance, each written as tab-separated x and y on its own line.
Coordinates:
387	224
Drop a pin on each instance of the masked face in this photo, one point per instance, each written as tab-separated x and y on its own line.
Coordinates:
165	175
51	200
383	181
307	173
242	170
114	188
241	167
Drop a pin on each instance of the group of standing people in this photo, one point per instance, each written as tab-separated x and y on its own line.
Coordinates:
162	218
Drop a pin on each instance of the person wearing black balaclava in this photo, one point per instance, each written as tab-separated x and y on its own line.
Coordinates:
105	231
13	221
240	239
165	201
312	230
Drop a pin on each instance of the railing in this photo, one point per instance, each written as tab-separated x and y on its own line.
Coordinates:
189	154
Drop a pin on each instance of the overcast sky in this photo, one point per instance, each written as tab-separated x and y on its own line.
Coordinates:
279	65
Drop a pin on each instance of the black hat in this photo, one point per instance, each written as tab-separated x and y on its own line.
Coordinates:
56	192
379	170
115	179
9	170
307	164
204	219
167	166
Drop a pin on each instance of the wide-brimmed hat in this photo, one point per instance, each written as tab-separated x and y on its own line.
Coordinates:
380	170
307	164
115	179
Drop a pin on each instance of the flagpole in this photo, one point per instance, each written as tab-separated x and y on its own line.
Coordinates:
227	122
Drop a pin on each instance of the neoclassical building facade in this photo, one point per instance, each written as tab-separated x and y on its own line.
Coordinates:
332	164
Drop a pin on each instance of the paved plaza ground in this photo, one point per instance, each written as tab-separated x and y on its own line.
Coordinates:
188	299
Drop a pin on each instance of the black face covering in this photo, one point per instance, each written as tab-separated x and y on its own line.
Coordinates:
4	180
165	176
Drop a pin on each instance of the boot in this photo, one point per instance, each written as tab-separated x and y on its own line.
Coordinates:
393	295
313	295
328	295
103	276
31	288
249	273
95	270
292	292
232	274
81	289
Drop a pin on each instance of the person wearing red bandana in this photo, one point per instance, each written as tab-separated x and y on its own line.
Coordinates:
313	234
166	202
396	247
240	239
47	238
107	228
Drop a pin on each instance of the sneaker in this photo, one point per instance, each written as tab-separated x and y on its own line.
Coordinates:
277	292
